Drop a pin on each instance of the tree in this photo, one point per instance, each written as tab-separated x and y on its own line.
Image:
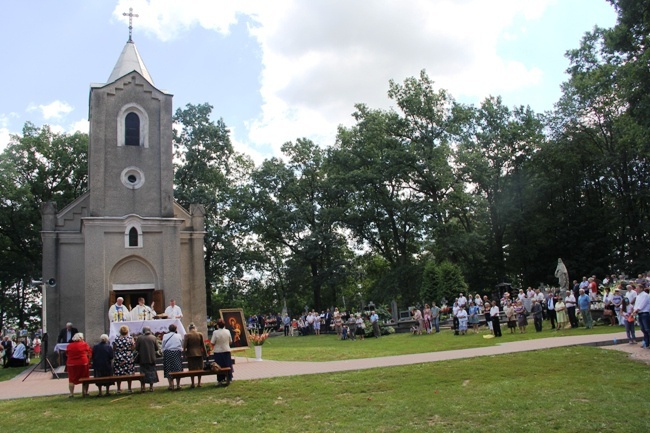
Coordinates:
209	172
495	147
294	211
36	167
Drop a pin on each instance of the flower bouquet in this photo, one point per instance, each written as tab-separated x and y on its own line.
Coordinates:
258	339
208	346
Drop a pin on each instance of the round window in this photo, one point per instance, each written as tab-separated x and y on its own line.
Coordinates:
132	177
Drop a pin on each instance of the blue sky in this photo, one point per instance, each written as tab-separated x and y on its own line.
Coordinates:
283	69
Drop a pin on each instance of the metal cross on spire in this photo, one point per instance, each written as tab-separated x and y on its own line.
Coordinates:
130	15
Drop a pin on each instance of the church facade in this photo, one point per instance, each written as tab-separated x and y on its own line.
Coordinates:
126	236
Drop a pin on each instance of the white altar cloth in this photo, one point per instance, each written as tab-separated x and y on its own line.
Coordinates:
135	327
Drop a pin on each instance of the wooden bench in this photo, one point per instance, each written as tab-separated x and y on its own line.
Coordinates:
108	380
198	373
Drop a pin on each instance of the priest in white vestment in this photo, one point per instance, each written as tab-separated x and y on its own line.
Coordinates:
142	311
118	311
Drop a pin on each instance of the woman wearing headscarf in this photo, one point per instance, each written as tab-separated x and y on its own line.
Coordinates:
172	349
103	362
147	346
194	349
78	363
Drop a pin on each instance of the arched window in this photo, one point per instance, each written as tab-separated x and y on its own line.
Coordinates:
133	234
133	237
132	129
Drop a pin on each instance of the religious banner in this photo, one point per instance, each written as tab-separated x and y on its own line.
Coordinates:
235	323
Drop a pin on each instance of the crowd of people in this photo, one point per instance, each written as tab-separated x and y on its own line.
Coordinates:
121	357
623	301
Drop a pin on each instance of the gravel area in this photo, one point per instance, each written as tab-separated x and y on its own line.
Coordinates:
636	352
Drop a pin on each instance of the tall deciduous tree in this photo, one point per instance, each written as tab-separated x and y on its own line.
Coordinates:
209	172
295	213
36	167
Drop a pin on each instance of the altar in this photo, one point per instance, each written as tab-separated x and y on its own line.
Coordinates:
135	327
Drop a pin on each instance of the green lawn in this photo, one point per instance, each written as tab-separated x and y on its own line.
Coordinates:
574	389
329	348
9	373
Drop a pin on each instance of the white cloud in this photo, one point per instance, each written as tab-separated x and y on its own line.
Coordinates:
53	110
4	138
81	125
320	57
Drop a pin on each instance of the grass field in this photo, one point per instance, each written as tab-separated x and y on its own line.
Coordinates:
328	348
574	389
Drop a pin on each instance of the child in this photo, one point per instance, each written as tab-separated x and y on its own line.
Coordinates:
344	332
626	310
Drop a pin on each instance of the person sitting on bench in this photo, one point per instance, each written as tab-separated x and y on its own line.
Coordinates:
19	356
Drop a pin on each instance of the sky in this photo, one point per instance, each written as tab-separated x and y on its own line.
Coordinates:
279	70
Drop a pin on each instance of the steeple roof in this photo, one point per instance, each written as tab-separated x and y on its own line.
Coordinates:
129	61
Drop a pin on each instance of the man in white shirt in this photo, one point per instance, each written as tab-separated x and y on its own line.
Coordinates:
570	302
118	311
630	294
496	320
642	308
462	300
173	311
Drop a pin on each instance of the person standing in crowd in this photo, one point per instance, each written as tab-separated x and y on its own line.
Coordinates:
454	316
560	311
7	350
327	318
488	316
496	319
173	311
550	310
472	316
194	349
426	314
147	348
123	356
419	320
462	320
172	349
511	317
570	302
522	320
78	363
435	316
374	320
66	334
36	344
317	323
352	327
221	340
584	305
361	327
338	322
538	317
642	310
627	311
286	324
617	302
103	362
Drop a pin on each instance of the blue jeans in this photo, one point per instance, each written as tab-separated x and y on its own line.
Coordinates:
436	323
644	321
586	317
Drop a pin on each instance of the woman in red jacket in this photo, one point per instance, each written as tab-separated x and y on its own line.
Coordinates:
78	363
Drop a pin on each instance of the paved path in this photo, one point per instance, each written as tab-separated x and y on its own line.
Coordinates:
40	383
